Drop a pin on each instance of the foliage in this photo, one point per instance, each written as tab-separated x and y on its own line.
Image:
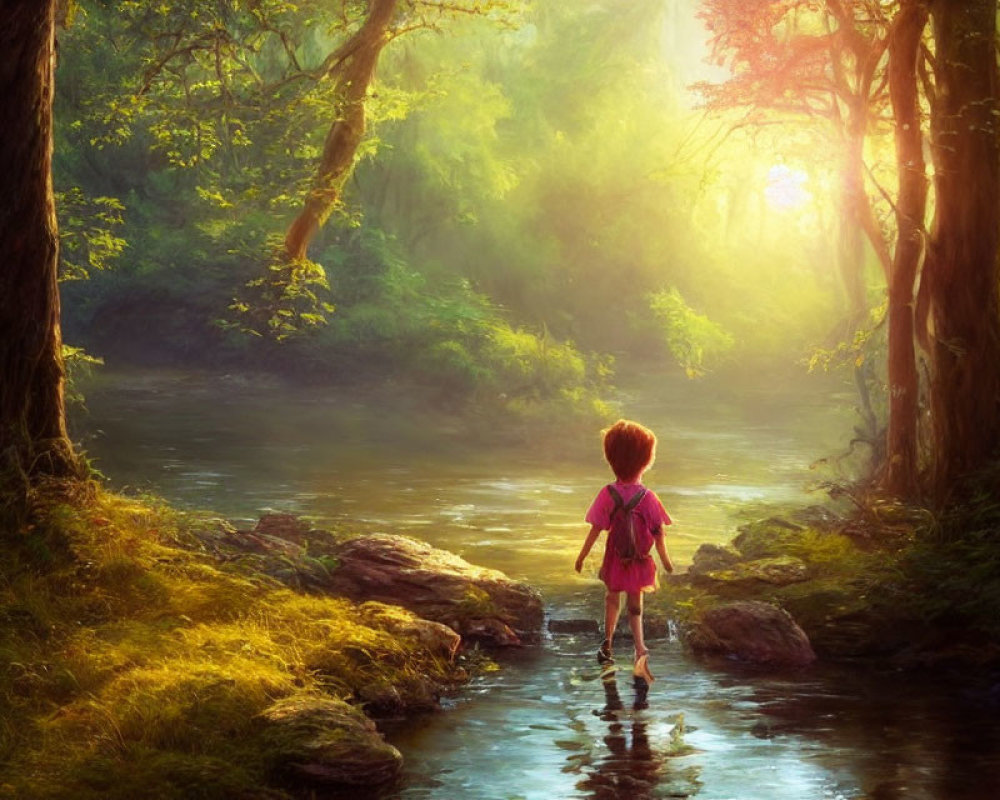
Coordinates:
953	574
693	339
78	363
528	182
157	659
286	301
392	318
86	233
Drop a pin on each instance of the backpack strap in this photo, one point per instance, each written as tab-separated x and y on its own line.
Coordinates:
617	498
633	501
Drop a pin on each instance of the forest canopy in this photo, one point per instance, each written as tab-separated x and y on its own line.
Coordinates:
535	182
505	200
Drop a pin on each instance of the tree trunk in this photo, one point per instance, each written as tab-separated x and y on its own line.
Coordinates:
361	54
962	261
33	439
901	477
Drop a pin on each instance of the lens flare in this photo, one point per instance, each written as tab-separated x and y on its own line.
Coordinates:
786	188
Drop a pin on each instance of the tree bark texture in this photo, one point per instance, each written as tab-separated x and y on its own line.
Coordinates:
33	437
356	71
962	264
901	477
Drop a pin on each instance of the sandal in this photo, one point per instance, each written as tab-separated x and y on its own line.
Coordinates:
641	668
604	655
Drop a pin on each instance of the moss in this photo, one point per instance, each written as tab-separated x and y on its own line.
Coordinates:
888	582
133	657
841	600
476	603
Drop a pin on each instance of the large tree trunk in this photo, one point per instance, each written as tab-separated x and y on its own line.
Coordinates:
962	262
33	438
357	68
901	476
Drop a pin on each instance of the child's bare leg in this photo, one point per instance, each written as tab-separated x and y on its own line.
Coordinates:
635	622
612	608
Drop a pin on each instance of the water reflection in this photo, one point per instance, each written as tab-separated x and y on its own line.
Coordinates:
241	448
628	769
631	766
530	731
909	737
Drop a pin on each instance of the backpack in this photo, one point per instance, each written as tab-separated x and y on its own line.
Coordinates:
623	535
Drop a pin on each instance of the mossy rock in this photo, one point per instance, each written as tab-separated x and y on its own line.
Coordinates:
475	601
409	694
768	538
712	557
436	638
748	577
753	632
318	741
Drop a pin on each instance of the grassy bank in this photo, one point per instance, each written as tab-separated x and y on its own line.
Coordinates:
136	663
885	583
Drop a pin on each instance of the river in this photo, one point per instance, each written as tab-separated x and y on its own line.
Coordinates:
538	728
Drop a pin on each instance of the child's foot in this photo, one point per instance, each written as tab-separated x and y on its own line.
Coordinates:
641	668
604	655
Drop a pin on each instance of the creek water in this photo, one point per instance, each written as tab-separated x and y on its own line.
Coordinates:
540	727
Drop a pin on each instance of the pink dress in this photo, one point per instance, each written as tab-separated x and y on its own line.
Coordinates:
638	575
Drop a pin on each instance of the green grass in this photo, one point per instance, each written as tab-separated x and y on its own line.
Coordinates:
130	659
888	582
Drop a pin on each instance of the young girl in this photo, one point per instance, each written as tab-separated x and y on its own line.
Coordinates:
630	449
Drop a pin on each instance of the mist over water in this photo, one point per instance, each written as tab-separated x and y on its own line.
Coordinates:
242	449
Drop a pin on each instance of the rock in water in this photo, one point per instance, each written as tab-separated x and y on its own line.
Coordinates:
758	633
319	741
710	557
477	602
588	626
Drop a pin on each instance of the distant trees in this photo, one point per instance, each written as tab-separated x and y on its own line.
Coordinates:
527	159
269	103
816	64
33	441
795	56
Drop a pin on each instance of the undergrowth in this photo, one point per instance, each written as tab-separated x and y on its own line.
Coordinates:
128	661
887	581
953	573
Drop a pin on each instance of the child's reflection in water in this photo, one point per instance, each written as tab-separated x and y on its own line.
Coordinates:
631	769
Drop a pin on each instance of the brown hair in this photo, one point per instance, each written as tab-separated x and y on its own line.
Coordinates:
629	448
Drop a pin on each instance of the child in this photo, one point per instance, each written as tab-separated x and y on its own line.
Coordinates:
630	449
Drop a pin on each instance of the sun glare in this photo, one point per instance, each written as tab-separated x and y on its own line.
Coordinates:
786	188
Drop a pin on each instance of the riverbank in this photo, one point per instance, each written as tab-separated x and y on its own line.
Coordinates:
892	586
529	730
154	653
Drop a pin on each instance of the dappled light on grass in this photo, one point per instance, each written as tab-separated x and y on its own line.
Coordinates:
159	655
